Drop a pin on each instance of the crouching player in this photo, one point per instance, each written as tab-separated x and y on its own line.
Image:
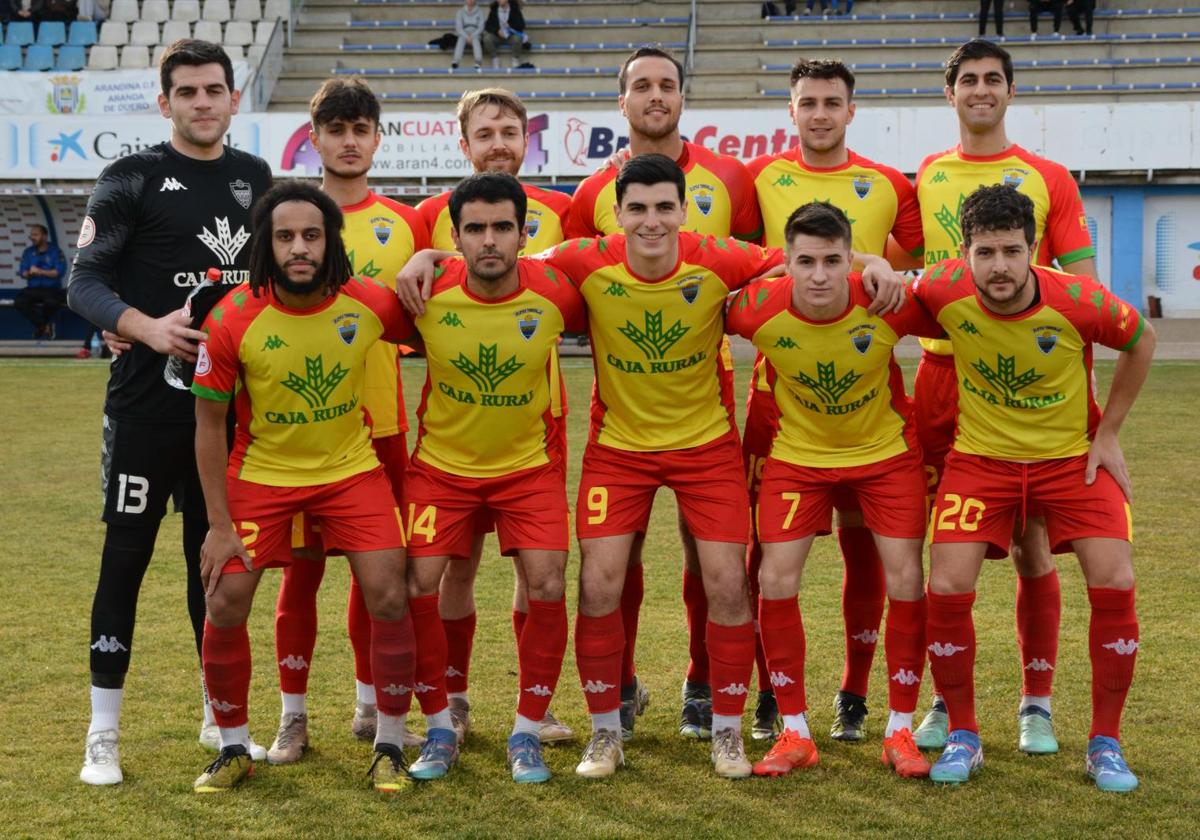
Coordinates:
1031	436
290	348
490	444
846	429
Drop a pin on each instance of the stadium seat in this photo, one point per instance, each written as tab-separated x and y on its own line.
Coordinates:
186	10
38	57
102	57
207	30
83	33
263	30
51	33
135	57
234	53
123	11
173	30
217	10
71	58
144	33
156	11
156	58
10	57
20	33
238	33
277	10
114	34
247	10
255	53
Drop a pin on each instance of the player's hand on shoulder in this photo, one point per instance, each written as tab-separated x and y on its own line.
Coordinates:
618	158
220	544
884	285
1105	453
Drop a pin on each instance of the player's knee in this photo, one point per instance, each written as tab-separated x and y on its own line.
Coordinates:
389	605
1032	560
226	609
548	588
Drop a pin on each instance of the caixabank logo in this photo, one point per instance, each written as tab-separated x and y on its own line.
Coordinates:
299	153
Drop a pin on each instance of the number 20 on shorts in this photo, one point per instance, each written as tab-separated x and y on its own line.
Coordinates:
960	514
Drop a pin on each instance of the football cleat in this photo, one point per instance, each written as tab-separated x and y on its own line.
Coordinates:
962	757
229	768
634	700
210	739
290	741
729	755
602	755
437	756
789	752
365	720
551	730
525	759
767	722
460	718
102	759
934	729
1106	766
1036	732
695	720
388	772
901	754
850	710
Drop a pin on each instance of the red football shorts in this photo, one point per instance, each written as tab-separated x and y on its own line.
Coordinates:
935	406
982	499
798	501
617	487
762	424
528	507
355	514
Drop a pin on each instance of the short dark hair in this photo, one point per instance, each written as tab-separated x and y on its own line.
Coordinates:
820	219
503	99
998	207
973	50
647	52
192	53
650	170
822	68
40	227
343	99
334	270
489	187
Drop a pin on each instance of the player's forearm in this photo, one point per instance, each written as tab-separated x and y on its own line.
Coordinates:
90	297
212	458
1133	366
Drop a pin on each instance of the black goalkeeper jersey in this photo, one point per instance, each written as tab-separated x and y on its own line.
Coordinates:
157	220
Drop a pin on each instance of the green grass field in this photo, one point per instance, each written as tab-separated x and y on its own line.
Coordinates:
50	416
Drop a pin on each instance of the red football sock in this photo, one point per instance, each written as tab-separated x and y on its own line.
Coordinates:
460	638
696	604
782	631
296	623
753	562
731	659
1039	608
598	644
225	656
393	659
863	592
429	680
1113	645
518	623
631	608
904	647
358	624
540	656
950	640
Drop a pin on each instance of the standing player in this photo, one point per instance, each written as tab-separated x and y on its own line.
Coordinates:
846	428
289	349
380	235
495	136
1031	437
721	203
880	203
979	85
156	221
488	444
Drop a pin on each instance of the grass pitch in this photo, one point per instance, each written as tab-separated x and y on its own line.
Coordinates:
50	416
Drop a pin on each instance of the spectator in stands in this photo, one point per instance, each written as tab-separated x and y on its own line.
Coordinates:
43	268
505	25
96	10
998	6
468	26
1036	7
825	7
1081	8
18	10
59	10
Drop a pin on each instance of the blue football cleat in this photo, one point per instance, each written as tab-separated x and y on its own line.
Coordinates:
1106	766
525	759
962	757
437	756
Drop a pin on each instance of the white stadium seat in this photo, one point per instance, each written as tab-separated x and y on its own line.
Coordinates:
207	30
247	10
156	11
263	30
123	11
114	34
173	30
234	53
144	32
135	57
217	10
102	57
277	10
238	33
186	10
157	57
255	53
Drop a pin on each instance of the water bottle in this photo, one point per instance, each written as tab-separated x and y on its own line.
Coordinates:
95	346
176	368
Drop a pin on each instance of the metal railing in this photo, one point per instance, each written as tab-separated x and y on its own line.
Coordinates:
691	48
260	85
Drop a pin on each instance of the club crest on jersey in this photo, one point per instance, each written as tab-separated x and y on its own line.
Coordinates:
689	287
862	185
1046	337
533	222
242	193
527	322
1014	177
702	197
381	226
861	337
347	326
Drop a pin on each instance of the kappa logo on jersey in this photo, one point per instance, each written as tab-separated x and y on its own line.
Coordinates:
784	180
347	326
828	386
861	337
905	677
597	687
1121	647
87	233
527	322
242	192
786	343
1039	665
109	644
395	690
653	340
945	649
780	679
382	226
616	290
1046	337
734	689
689	287
862	185
539	690
203	360
296	663
222	705
274	342
867	637
315	386
702	197
485	372
171	185
451	319
224	243
969	328
940	177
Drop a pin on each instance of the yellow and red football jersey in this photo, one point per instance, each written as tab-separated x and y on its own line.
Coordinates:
545	217
296	378
660	380
1025	380
720	196
493	392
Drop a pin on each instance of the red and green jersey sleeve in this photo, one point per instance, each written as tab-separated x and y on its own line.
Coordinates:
1025	381
545	218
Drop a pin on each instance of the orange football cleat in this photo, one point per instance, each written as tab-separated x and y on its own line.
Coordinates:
790	752
901	754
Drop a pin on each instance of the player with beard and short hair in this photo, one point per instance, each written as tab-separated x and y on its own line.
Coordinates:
157	220
289	349
380	236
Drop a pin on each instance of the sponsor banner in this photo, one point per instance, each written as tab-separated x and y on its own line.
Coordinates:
88	93
1133	136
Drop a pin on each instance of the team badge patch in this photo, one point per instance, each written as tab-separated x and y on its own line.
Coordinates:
347	326
533	223
1046	337
861	337
242	193
702	197
381	226
862	186
527	322
87	233
689	287
203	362
1014	177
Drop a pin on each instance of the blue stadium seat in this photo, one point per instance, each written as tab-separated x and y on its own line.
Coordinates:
38	57
71	58
10	57
20	33
51	33
83	33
